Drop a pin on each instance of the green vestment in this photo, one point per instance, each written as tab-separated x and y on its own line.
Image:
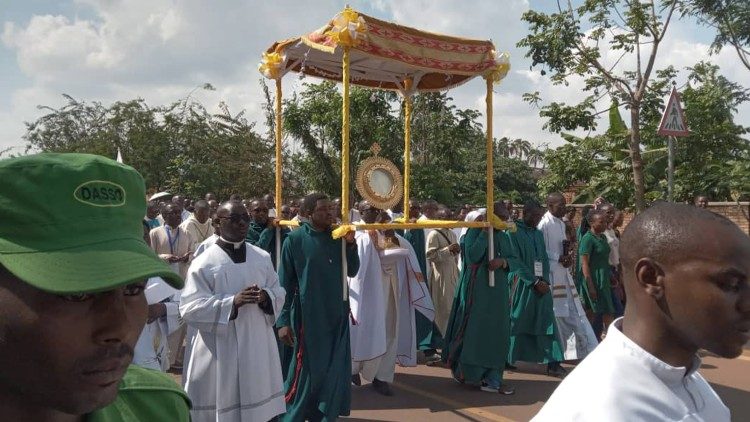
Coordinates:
253	232
478	333
597	248
317	383
533	332
428	335
145	395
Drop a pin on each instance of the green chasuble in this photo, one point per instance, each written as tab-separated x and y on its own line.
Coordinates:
428	335
597	248
533	331
478	333
317	383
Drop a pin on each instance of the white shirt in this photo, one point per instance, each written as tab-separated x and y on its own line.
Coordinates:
621	382
614	247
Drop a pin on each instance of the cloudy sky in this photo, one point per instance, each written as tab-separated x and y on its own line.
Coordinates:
160	50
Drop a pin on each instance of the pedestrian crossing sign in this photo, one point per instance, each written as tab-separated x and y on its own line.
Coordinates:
673	121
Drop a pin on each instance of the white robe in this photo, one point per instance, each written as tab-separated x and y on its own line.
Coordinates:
152	349
385	315
574	329
205	245
367	329
622	382
412	295
234	372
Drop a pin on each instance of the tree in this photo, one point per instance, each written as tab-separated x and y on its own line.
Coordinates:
714	159
180	147
560	43
730	19
448	153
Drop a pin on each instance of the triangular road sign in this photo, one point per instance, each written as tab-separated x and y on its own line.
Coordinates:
673	121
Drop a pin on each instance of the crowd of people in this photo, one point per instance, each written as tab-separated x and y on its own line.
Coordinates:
259	334
412	295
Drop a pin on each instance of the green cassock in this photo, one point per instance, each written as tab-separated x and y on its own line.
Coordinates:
597	248
317	383
533	330
428	335
478	333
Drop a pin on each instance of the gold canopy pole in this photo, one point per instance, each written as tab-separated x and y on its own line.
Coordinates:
278	169
407	145
345	165
490	182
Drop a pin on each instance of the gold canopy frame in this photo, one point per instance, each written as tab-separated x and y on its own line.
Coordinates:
354	48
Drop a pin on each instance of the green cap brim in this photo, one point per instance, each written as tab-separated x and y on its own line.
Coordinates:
90	268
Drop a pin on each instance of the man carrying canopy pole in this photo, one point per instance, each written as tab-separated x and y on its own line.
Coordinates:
314	319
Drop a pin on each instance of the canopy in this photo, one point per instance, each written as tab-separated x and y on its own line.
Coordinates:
384	55
361	50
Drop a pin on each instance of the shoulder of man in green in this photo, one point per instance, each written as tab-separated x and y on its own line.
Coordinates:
145	395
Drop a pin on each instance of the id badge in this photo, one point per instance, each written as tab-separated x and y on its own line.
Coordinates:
538	269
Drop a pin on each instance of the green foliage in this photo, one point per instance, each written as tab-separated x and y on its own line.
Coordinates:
181	147
448	144
730	19
714	159
571	44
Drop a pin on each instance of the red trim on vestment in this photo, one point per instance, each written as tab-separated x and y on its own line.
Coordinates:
297	370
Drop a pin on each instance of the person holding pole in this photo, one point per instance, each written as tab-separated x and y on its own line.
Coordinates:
315	320
478	335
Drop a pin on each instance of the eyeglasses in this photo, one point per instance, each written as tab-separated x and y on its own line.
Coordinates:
236	218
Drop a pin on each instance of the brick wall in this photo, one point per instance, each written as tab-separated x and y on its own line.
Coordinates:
728	209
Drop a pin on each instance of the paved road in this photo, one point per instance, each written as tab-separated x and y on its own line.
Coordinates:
430	395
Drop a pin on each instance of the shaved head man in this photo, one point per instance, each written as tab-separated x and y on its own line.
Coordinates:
685	271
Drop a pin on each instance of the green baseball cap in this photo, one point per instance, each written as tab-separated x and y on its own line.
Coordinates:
72	223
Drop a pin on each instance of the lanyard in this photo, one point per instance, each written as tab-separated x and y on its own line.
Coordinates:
172	243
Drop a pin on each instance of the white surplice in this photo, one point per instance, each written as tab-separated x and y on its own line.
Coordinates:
412	295
367	325
622	382
234	372
574	329
205	245
152	349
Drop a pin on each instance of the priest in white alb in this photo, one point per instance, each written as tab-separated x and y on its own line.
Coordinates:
232	297
404	293
367	324
576	336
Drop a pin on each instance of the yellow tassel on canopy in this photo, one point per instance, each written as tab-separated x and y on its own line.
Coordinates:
348	28
343	230
270	65
502	66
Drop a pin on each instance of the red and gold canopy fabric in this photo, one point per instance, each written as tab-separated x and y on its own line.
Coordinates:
385	55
